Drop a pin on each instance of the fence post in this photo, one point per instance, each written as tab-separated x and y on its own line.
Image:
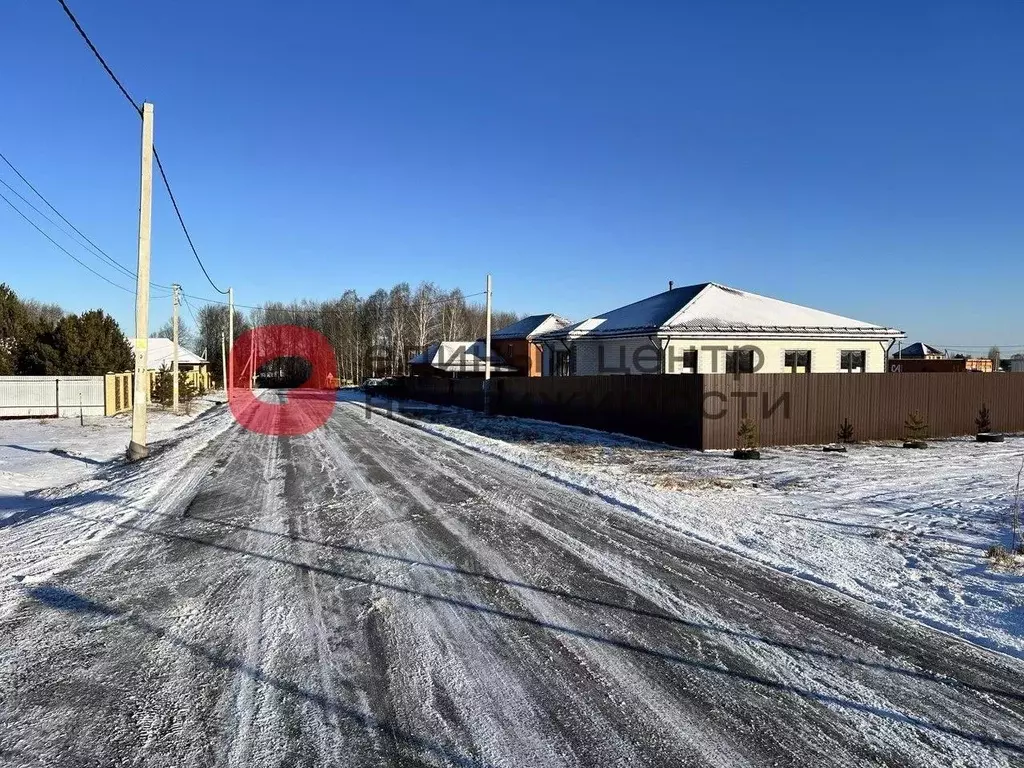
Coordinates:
56	398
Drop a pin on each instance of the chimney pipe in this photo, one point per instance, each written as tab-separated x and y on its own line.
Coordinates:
670	285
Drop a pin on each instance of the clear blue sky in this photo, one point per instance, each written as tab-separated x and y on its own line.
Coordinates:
865	158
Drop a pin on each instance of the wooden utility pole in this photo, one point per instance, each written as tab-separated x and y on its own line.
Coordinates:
487	353
231	340
174	335
137	448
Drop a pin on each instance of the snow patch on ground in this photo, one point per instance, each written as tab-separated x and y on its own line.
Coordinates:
901	529
42	453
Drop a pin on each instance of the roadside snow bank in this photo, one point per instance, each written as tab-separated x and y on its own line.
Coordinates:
903	530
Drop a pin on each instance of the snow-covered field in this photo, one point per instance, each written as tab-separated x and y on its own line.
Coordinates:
905	530
41	453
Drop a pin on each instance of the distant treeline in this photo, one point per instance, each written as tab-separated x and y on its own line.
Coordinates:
371	336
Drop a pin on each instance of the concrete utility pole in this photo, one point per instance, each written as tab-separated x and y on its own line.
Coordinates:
252	357
231	340
174	336
224	362
487	353
137	448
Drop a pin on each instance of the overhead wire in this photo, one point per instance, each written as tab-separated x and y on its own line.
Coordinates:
120	268
88	244
156	155
61	247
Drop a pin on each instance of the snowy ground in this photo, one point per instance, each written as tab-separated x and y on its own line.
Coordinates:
905	530
50	468
373	594
40	453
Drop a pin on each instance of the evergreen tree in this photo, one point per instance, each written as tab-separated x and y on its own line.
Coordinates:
91	344
14	329
984	420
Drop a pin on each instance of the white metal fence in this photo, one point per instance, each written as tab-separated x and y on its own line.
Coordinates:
66	396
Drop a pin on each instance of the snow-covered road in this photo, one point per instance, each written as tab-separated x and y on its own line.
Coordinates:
372	594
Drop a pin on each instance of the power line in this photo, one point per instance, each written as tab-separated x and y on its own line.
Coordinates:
71	255
96	53
177	211
156	156
193	314
89	244
21	197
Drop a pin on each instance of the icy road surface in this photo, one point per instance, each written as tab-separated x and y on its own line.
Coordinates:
371	594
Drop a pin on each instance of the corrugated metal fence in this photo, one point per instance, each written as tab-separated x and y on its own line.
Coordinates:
51	396
661	408
705	410
798	409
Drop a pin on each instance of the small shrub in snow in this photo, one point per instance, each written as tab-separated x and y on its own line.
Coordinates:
845	433
748	435
915	429
996	552
983	422
1001	556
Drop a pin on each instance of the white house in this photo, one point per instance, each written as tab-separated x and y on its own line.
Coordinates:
457	359
711	328
160	354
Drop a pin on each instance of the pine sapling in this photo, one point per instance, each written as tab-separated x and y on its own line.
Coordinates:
983	422
748	435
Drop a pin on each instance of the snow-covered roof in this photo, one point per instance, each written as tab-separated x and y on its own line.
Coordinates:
160	352
920	349
710	309
460	357
531	326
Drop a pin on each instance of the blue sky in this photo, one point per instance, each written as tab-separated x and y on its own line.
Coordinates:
861	157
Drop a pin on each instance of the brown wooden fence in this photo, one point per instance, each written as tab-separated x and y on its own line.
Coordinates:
704	410
661	408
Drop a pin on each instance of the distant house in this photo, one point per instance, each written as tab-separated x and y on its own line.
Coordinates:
924	358
457	359
160	354
920	351
711	328
517	343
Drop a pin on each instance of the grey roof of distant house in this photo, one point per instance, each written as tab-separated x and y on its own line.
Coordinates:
531	326
460	357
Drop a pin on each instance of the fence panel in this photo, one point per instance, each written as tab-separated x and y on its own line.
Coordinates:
42	396
662	408
877	405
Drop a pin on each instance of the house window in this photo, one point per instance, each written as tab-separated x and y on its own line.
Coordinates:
561	362
739	361
852	360
689	361
798	361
